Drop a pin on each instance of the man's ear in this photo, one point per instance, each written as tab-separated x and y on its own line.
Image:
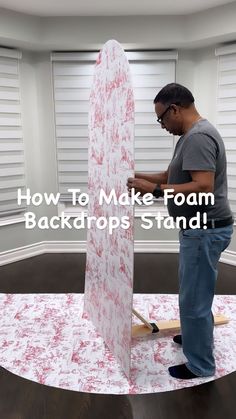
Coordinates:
176	108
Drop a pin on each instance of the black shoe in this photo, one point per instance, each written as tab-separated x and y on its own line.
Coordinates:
182	372
178	339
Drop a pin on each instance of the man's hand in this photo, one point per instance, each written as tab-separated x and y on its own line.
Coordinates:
140	185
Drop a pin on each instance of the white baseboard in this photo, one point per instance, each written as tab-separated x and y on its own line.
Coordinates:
156	246
40	248
228	257
140	246
20	253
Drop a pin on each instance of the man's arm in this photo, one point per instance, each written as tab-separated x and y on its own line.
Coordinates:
202	181
144	182
156	178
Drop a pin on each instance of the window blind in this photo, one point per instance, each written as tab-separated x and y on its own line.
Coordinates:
12	172
72	80
226	112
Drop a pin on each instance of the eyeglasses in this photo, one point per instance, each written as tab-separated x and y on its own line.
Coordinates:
160	118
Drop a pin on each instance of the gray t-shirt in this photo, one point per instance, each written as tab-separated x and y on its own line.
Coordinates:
200	149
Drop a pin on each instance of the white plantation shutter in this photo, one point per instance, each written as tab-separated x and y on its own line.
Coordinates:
72	78
12	172
150	72
226	112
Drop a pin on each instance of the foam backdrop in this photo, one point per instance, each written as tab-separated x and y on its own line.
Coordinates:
109	266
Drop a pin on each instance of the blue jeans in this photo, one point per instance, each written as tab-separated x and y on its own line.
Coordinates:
200	252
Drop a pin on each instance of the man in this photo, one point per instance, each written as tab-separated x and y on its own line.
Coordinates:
198	165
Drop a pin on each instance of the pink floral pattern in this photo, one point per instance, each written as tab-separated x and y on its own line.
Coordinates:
44	338
109	267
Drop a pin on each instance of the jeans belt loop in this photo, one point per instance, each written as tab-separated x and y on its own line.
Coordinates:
213	223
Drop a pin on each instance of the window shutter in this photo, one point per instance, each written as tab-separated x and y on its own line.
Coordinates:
72	78
12	171
226	112
150	72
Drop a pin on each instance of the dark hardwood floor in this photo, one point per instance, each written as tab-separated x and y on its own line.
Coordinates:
154	273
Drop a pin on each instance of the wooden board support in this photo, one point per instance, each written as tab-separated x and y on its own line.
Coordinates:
143	320
141	330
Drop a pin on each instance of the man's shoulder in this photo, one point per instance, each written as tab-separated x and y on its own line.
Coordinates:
204	137
204	127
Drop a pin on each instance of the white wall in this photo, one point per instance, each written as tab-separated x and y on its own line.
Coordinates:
149	32
198	71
